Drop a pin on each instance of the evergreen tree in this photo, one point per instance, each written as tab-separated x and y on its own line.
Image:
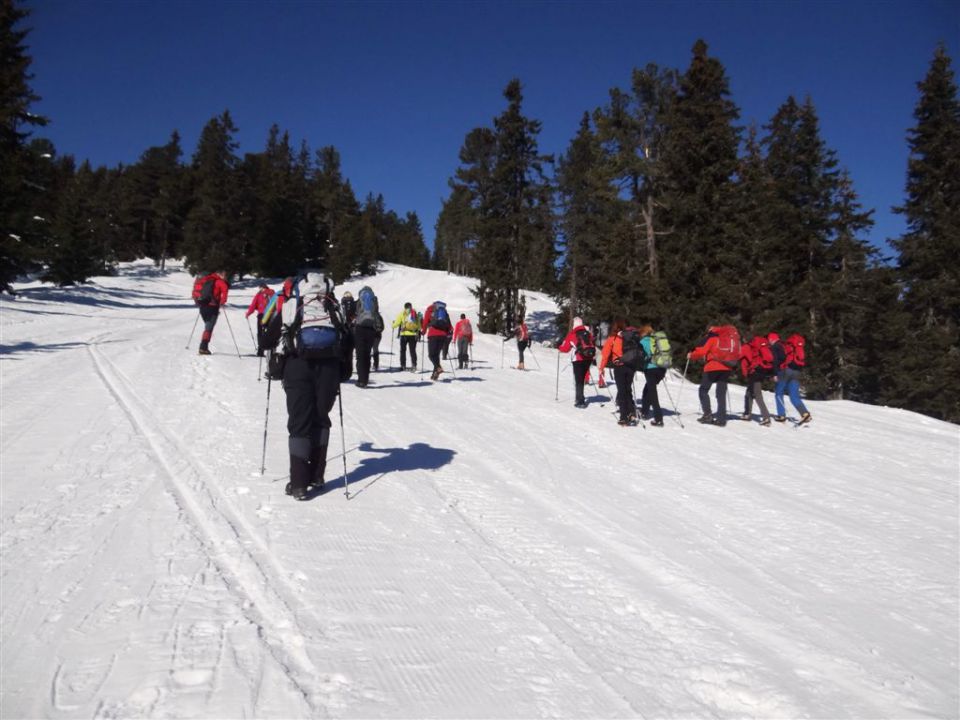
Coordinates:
276	205
702	267
20	165
215	230
456	233
336	215
592	281
928	355
76	249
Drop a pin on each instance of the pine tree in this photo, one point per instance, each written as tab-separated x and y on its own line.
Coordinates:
76	250
701	266
336	215
592	281
928	370
215	230
20	167
456	233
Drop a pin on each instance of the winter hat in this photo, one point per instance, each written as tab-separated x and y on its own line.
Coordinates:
773	337
577	322
348	294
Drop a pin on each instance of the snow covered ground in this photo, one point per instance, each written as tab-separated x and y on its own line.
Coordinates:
501	554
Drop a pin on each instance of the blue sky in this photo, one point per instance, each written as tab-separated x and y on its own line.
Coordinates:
395	86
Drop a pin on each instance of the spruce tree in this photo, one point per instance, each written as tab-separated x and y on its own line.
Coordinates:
336	214
456	233
702	267
592	281
215	232
76	249
926	362
19	164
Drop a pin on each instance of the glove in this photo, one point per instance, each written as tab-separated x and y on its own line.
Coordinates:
601	382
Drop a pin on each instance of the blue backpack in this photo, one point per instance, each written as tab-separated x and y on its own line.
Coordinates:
440	319
368	308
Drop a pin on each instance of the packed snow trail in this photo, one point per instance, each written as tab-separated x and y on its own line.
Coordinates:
501	554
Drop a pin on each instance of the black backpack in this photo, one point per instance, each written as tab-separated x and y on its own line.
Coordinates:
634	356
585	345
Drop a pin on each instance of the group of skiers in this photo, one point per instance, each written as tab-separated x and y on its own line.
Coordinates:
310	344
628	350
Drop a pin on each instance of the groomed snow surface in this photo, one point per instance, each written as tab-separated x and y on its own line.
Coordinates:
501	554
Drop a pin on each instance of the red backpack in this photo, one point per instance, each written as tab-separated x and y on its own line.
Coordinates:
203	290
764	353
727	349
794	347
749	359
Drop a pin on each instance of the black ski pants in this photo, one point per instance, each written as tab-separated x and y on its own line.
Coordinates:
311	387
718	378
649	399
521	346
623	376
376	349
446	346
580	370
408	342
364	338
434	347
209	316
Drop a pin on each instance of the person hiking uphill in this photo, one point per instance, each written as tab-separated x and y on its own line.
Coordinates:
756	365
463	337
312	369
365	332
654	375
624	368
408	322
720	349
436	326
522	334
789	359
581	340
259	305
210	294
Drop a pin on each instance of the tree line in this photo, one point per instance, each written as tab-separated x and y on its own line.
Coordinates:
664	210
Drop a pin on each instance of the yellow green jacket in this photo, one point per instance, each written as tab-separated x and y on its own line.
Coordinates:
408	322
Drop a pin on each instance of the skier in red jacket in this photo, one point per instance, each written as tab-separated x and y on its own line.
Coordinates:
209	304
259	306
436	326
463	337
580	339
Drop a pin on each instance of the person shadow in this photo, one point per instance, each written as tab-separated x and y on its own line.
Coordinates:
418	456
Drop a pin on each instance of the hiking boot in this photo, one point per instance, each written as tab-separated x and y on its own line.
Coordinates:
658	422
719	422
318	464
805	418
623	422
780	418
203	351
580	404
520	366
706	419
765	422
746	416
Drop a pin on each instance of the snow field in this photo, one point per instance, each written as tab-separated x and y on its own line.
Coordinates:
501	553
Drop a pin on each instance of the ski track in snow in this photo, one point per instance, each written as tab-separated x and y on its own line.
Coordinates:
500	554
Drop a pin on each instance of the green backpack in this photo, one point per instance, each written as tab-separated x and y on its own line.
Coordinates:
660	354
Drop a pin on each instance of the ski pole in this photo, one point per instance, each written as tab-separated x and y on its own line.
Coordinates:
633	399
390	366
422	354
230	327
450	360
556	396
683	381
530	348
676	415
256	346
343	443
470	350
266	418
187	346
260	369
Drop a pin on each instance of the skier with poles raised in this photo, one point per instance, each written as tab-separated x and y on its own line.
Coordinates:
209	295
582	341
312	370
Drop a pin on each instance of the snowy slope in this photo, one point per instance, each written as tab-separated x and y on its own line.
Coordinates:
501	554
